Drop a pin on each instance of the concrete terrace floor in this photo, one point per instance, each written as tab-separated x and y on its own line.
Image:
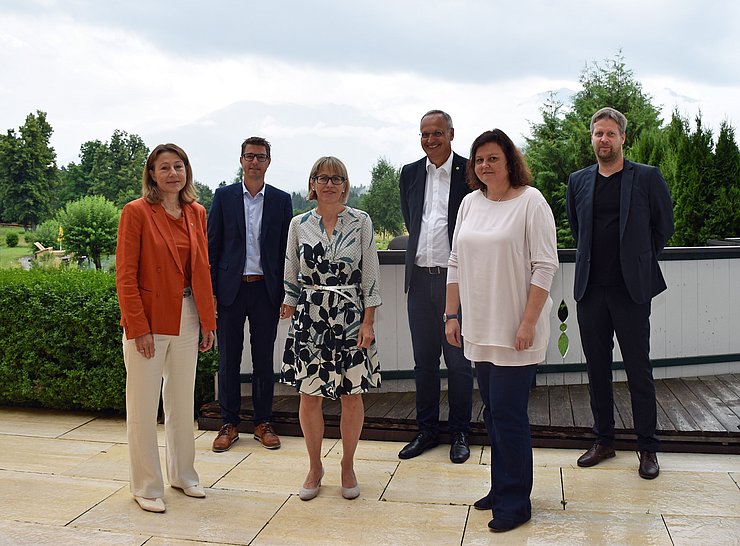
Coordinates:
63	480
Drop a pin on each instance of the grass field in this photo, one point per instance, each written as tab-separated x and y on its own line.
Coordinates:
9	256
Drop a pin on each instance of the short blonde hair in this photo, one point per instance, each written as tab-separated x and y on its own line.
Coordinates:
331	164
149	189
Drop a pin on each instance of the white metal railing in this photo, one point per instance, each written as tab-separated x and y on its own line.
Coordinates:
698	316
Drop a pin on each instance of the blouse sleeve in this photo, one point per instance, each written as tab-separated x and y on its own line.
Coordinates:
292	264
543	248
370	265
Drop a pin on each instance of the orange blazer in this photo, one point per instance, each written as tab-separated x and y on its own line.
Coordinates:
149	276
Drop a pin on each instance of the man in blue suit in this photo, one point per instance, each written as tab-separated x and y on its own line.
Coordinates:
431	191
247	235
621	216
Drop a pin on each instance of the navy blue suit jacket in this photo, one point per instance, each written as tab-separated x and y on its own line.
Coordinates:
227	234
412	184
645	225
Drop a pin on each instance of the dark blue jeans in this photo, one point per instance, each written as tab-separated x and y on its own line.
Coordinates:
505	394
251	302
604	311
426	304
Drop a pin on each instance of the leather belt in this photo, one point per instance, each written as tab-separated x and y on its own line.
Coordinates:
252	278
187	292
436	270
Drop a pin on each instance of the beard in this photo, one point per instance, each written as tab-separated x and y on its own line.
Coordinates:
607	155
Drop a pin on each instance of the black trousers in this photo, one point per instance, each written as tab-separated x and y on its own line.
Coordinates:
604	311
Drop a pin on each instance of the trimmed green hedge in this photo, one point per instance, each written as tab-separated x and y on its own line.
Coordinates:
60	342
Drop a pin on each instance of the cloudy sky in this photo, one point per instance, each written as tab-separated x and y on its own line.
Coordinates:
343	77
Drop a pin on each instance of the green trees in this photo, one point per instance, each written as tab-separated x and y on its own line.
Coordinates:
561	144
90	227
109	169
28	172
382	201
205	195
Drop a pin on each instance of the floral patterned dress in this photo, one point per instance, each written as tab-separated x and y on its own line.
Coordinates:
330	282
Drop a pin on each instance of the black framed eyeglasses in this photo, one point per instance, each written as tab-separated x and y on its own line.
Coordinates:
323	179
261	158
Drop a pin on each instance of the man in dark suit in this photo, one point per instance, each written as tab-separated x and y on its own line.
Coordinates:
431	191
621	216
247	235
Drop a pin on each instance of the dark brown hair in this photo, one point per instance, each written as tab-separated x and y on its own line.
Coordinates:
519	174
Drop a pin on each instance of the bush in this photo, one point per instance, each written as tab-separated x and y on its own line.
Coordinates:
60	342
90	227
46	233
11	239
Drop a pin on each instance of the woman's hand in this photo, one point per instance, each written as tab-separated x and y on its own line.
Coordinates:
452	331
145	345
206	340
524	336
365	336
286	311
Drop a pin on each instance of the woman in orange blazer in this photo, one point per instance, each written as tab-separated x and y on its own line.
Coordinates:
166	300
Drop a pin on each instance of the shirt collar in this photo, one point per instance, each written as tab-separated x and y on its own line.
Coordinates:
249	195
446	166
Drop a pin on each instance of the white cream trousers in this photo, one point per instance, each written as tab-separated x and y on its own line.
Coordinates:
172	368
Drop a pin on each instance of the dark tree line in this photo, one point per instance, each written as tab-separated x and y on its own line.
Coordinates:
703	175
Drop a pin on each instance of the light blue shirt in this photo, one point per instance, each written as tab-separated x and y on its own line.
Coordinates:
253	220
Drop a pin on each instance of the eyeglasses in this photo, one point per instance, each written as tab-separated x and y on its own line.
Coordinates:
323	179
435	134
261	158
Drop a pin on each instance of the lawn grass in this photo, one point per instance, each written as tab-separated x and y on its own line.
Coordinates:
9	256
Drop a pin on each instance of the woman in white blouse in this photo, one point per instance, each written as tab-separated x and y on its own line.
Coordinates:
503	260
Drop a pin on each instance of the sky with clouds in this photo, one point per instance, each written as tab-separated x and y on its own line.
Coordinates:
342	77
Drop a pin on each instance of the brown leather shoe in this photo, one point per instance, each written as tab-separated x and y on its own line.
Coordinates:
595	455
266	436
649	467
225	438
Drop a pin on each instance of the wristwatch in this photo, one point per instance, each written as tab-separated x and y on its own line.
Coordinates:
446	317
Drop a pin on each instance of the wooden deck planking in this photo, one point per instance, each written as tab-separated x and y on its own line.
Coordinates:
694	414
561	414
623	405
698	411
579	401
724	415
680	418
539	407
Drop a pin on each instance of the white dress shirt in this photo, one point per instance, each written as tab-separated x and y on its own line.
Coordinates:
434	243
253	221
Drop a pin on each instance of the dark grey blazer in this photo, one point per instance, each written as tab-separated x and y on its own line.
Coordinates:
412	185
227	234
645	225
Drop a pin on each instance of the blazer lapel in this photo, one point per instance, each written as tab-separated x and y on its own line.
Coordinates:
625	196
164	229
586	212
237	200
266	215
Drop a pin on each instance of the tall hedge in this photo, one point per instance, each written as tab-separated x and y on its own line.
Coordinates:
60	342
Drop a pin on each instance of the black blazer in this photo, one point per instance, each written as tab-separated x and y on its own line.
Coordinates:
412	185
227	234
645	225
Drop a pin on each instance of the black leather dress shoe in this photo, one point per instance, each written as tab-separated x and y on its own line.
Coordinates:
649	467
459	449
417	446
486	503
595	455
497	525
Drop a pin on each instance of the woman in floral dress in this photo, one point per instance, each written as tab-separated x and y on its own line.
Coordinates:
331	292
